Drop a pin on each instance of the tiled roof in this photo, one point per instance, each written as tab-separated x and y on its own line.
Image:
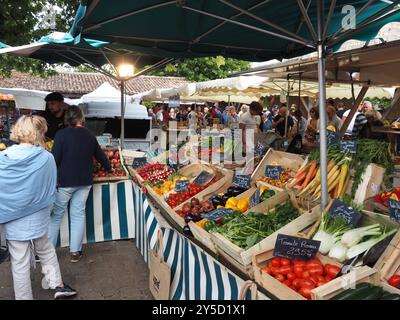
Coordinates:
76	84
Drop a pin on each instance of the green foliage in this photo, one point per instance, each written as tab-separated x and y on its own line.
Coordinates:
383	103
22	22
149	104
203	69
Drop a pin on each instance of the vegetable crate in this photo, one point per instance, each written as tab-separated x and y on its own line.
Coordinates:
113	179
349	281
243	258
371	183
222	176
272	285
284	159
204	236
389	264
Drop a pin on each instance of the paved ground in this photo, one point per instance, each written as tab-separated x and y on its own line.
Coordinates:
110	270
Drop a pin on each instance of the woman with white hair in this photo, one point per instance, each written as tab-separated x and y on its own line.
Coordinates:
243	109
28	178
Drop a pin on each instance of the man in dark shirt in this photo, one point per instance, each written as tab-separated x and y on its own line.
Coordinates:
54	114
279	121
74	149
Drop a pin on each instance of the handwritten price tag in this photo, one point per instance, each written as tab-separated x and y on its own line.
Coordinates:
295	248
338	208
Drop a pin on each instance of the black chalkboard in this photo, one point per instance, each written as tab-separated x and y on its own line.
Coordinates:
241	180
273	172
348	146
332	137
339	208
216	214
139	162
394	209
295	248
203	178
255	198
260	149
182	185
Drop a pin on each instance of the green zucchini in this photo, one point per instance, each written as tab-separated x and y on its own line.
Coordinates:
390	296
351	294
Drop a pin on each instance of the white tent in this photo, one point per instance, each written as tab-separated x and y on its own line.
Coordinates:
32	99
105	102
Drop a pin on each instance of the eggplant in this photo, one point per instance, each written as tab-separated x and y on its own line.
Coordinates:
376	251
225	199
189	218
237	192
230	190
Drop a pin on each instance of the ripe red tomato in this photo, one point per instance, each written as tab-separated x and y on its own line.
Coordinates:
316	270
312	263
298	271
291	276
306	292
266	269
331	270
299	263
307	283
280	277
276	262
275	271
328	278
285	269
296	283
306	275
320	283
285	262
287	282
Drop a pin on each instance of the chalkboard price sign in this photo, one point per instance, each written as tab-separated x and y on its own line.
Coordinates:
139	162
339	208
394	209
332	137
182	185
216	214
203	178
273	172
348	146
295	248
255	198
260	149
241	180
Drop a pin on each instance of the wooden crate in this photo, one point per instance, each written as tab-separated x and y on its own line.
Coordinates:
113	179
371	183
204	236
243	257
389	263
286	160
350	280
269	283
223	177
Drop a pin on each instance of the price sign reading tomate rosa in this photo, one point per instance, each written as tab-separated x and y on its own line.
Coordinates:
348	146
182	185
241	180
394	209
273	172
139	162
295	248
203	178
339	208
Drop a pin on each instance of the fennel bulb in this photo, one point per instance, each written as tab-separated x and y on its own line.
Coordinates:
338	252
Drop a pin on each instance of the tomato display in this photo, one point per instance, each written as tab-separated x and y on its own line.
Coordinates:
114	158
301	276
155	173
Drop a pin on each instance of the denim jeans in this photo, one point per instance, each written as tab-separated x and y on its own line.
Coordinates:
78	197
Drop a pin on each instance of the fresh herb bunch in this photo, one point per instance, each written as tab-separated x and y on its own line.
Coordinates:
247	230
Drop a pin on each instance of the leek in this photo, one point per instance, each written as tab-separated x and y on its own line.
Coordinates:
366	245
352	237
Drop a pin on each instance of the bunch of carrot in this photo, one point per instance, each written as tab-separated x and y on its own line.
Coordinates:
308	179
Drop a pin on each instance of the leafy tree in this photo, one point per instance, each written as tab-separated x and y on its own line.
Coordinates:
23	21
203	69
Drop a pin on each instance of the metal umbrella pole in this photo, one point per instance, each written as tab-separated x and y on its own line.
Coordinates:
322	109
122	138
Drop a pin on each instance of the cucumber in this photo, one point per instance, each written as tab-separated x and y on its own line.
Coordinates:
351	294
374	294
391	296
